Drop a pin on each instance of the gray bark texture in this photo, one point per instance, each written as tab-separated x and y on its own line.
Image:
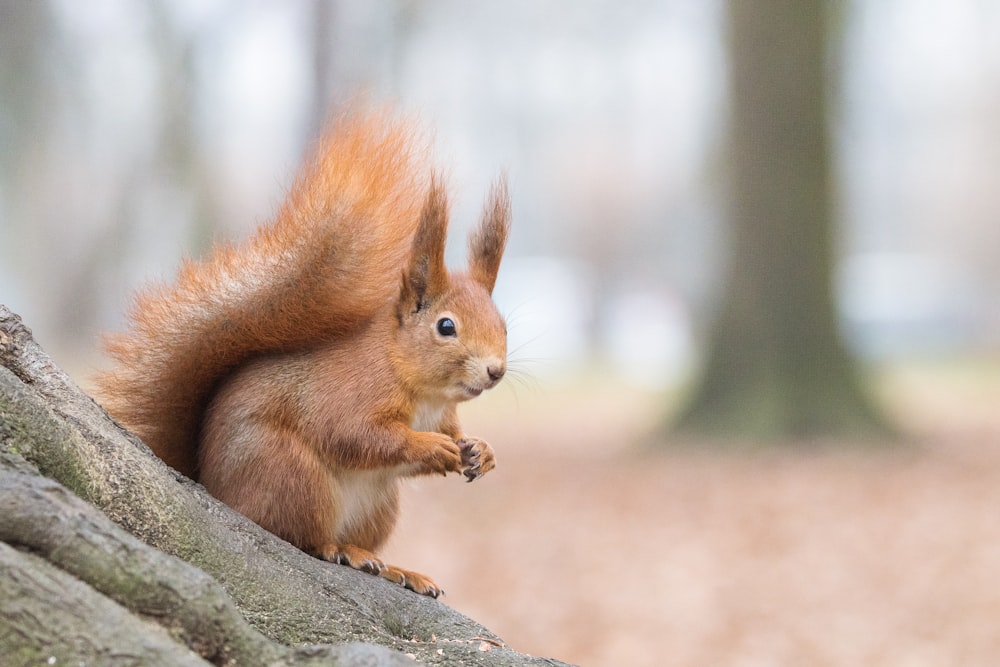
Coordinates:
109	557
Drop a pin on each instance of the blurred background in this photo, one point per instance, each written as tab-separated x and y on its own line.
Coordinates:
132	134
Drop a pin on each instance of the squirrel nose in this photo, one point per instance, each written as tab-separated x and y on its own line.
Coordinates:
495	372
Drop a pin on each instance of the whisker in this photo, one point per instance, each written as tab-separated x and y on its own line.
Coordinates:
521	376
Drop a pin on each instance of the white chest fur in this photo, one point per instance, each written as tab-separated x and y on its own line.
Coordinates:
427	417
359	494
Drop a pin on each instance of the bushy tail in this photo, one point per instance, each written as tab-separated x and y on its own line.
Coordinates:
331	257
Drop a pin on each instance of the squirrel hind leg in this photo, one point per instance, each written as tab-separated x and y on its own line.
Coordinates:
366	561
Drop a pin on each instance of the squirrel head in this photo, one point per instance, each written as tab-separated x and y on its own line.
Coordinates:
451	339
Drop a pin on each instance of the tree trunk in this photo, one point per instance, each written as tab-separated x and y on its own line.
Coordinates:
110	557
777	367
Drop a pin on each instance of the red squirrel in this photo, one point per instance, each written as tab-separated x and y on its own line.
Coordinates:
299	375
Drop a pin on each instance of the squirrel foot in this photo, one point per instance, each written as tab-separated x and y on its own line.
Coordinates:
415	581
366	561
352	556
477	457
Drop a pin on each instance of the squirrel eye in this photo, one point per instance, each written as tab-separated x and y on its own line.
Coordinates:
446	327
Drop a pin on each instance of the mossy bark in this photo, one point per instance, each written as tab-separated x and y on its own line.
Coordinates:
777	367
158	567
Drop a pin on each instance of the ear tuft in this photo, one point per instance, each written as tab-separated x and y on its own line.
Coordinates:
426	276
487	243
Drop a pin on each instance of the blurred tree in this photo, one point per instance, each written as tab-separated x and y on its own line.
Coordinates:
777	367
25	31
26	92
322	20
64	147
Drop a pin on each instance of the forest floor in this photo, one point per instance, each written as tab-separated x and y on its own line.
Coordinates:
583	547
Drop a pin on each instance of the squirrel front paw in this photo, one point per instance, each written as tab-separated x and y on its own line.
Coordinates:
477	457
439	454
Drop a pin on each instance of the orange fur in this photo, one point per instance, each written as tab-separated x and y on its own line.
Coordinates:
300	374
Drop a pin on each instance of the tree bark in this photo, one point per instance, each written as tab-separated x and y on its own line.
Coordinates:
777	366
110	557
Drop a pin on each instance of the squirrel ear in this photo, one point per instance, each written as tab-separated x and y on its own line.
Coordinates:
426	275
487	243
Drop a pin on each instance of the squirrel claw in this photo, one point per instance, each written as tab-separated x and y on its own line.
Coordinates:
477	457
470	455
371	567
352	556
